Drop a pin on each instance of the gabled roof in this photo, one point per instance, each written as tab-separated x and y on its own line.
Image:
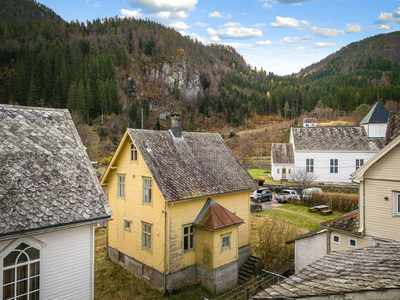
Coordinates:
46	178
195	165
358	174
309	120
368	269
282	153
308	234
348	138
393	127
347	222
377	114
214	217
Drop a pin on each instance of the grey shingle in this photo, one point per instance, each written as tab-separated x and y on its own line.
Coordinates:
369	269
334	138
282	153
45	174
196	165
347	222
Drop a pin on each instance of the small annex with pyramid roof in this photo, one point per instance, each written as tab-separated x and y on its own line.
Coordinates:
181	208
375	122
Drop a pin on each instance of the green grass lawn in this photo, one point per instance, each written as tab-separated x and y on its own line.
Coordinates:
304	210
299	221
258	173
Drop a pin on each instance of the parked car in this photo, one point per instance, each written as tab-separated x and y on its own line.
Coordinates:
309	192
255	207
284	195
261	195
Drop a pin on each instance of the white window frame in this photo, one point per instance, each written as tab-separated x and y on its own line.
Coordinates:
189	236
310	165
359	163
121	186
333	239
226	236
133	154
396	204
32	242
147	235
127	225
349	243
334	166
147	191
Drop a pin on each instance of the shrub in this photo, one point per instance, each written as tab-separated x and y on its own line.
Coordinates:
338	202
232	134
275	255
106	160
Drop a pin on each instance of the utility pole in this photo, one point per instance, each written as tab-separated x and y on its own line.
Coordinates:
142	115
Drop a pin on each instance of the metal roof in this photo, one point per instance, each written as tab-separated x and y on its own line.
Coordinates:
46	178
214	217
377	114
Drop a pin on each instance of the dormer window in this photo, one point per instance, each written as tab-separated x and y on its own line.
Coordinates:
134	155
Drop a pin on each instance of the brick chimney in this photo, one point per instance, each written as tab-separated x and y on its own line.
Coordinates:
176	124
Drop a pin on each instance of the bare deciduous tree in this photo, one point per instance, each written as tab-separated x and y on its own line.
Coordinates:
303	179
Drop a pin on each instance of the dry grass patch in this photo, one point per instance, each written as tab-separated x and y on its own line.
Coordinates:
112	281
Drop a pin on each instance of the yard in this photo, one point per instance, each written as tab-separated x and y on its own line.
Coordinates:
112	281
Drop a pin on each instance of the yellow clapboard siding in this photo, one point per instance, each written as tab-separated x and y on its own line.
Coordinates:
178	215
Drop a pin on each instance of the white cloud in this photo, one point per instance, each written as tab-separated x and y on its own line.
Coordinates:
324	44
292	2
326	32
302	49
183	33
234	32
303	39
267	5
386	18
217	14
260	25
199	38
131	13
200	24
215	38
383	27
285	22
164	5
353	28
167	15
265	43
396	13
230	24
242	46
179	25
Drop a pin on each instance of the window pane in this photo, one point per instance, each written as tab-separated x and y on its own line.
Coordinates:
8	276
24	297
191	241
185	230
34	296
185	243
33	253
22	287
8	291
10	259
34	284
34	269
149	196
22	246
22	272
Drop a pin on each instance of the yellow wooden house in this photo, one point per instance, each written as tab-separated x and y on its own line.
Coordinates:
181	204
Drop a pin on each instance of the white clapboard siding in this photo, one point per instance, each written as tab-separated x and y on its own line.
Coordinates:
309	250
68	261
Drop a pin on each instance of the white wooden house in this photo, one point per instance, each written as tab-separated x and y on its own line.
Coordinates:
50	200
330	153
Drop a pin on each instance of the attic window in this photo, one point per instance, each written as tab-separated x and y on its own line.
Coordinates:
134	155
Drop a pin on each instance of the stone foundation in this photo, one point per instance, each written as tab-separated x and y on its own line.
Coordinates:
217	281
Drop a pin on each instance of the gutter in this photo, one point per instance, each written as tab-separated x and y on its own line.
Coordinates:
52	229
206	196
165	250
330	229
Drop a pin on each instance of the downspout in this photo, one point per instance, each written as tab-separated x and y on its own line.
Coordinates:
363	212
165	249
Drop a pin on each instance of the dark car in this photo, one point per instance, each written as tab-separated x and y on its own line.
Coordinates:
261	195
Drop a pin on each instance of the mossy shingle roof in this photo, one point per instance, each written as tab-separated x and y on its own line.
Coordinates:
334	138
282	153
46	178
192	166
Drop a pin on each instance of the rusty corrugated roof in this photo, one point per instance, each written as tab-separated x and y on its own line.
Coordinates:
214	216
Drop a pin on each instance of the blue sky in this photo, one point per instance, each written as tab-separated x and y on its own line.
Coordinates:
281	36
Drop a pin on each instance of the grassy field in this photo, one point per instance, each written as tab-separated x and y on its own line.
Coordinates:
112	281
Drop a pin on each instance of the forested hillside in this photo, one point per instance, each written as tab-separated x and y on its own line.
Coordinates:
105	71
